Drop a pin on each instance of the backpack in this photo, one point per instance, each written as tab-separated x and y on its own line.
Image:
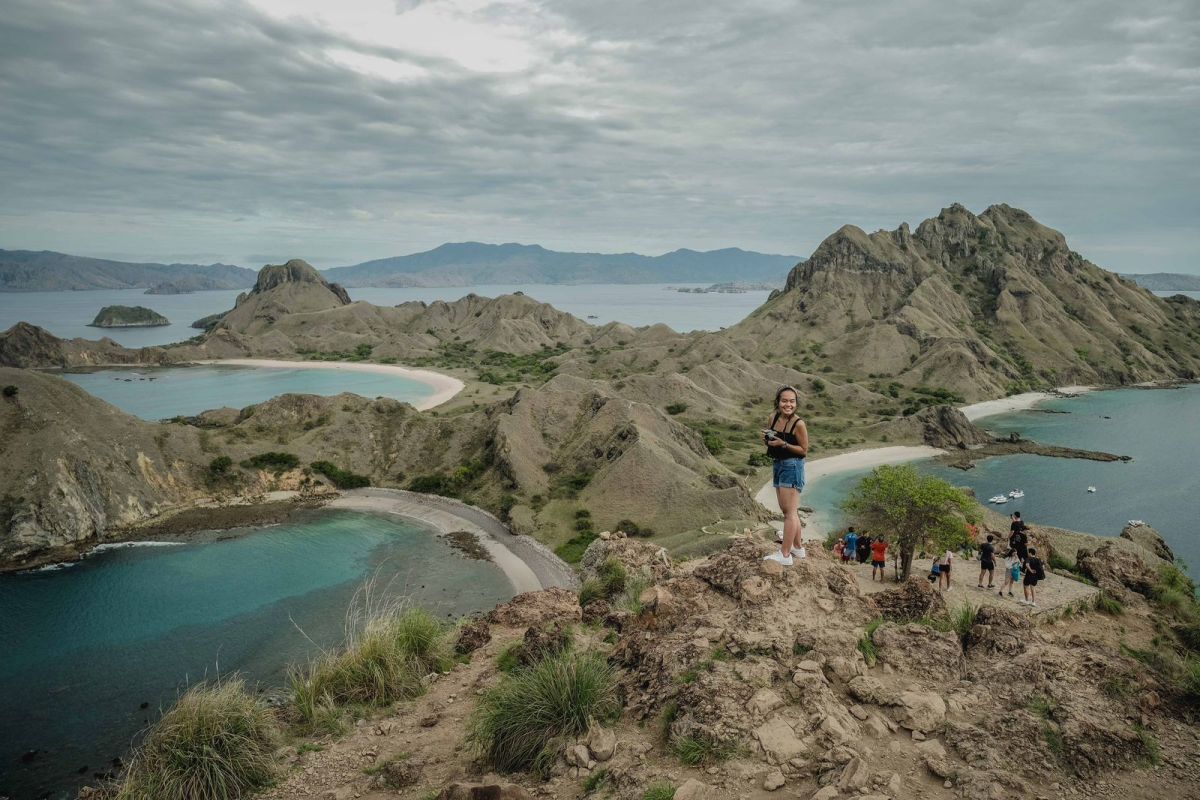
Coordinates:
1039	570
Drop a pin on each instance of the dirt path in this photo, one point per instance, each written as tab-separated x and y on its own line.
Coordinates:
1053	594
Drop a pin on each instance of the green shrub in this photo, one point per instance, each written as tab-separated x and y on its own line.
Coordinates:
571	551
1059	562
340	478
583	513
612	575
866	644
520	724
1107	604
631	528
669	712
758	460
385	660
596	780
216	743
592	589
630	597
962	620
1170	598
659	791
676	408
434	483
714	444
696	750
10	391
1152	752
509	659
220	465
276	462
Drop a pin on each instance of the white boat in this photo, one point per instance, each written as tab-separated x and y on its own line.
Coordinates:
1092	489
1136	523
1016	494
998	499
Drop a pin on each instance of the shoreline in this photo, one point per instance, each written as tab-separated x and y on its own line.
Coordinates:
444	386
871	457
1021	402
528	565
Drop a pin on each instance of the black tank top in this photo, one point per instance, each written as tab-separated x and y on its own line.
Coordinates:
788	435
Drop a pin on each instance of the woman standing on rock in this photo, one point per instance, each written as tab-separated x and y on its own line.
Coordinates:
786	437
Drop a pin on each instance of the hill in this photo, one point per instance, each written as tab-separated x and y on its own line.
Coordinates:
473	263
47	271
1166	281
982	306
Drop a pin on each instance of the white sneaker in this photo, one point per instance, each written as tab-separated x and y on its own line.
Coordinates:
778	556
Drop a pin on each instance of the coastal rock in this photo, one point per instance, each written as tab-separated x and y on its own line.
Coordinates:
1116	570
1150	539
942	426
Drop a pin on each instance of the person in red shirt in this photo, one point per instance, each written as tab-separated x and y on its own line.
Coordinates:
878	558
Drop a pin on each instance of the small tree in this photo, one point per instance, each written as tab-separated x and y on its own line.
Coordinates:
10	391
914	510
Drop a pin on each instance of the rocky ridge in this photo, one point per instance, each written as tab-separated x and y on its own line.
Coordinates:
766	666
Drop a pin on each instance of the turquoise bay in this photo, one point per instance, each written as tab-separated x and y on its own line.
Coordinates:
87	645
159	393
1159	428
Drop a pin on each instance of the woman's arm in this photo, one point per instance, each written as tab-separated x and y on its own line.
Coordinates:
801	432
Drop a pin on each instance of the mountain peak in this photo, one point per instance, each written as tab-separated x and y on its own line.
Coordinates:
295	271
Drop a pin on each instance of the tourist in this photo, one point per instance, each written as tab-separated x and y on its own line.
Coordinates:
1012	574
1034	572
878	557
838	548
864	548
987	563
851	540
1018	538
944	564
786	438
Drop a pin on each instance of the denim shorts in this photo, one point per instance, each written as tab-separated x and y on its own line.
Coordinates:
789	472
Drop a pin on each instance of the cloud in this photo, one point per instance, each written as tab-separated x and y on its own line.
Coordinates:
384	127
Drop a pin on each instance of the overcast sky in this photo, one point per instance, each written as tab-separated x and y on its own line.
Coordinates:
249	131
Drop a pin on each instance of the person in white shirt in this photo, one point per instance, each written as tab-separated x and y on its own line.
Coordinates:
944	564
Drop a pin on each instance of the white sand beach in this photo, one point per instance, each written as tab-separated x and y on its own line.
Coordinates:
528	564
444	387
844	462
1019	402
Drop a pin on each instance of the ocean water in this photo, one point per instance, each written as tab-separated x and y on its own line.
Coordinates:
66	314
1159	428
87	645
160	393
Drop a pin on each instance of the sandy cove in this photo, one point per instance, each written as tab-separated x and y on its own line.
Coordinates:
528	564
444	387
1020	402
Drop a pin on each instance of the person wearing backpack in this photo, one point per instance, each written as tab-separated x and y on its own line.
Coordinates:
1018	539
1034	572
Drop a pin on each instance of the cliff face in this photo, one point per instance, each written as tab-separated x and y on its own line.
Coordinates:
75	468
979	304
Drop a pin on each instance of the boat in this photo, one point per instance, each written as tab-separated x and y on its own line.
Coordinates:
1136	523
1092	489
998	499
1016	494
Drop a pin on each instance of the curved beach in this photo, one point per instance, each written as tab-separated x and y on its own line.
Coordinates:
444	386
529	565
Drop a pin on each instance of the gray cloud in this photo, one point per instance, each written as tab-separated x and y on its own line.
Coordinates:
157	128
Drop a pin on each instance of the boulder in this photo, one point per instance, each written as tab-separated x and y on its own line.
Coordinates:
1116	570
779	741
401	773
543	641
826	793
472	636
532	608
870	690
920	711
637	556
773	781
764	702
693	789
601	741
911	600
855	775
1000	631
919	649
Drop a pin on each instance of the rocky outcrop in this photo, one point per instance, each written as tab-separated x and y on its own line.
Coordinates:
282	290
911	600
941	426
1116	571
25	345
1150	539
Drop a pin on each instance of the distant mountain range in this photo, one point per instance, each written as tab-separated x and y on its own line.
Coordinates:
1166	281
47	271
473	263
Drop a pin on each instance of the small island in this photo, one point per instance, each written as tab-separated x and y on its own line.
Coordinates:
128	317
